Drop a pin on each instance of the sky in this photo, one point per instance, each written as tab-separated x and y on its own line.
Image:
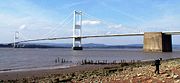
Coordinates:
35	19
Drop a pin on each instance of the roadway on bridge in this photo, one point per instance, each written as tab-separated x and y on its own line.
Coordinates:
95	36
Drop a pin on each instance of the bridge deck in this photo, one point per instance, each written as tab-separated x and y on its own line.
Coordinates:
95	36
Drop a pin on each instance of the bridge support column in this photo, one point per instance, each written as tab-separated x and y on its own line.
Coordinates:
157	42
77	32
16	37
77	44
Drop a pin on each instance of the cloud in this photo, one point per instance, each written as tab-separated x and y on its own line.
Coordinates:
72	4
22	27
163	23
121	29
108	33
127	14
91	22
116	26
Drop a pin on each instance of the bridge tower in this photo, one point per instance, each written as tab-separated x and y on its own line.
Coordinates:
77	32
16	37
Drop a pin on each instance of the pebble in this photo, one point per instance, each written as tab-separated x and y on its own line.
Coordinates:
176	81
176	76
139	74
149	81
166	75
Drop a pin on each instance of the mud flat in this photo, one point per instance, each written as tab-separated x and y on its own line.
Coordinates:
134	72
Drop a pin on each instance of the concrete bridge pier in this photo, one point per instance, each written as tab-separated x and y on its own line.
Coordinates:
157	42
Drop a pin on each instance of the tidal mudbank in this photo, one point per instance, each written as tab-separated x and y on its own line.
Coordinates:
132	72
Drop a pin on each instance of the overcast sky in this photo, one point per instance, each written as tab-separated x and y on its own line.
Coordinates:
53	18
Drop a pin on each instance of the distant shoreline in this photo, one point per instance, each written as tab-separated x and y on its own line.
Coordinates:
89	45
51	45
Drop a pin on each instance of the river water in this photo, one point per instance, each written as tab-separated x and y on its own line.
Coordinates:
28	59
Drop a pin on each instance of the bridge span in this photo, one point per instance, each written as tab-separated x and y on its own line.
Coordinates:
95	36
153	41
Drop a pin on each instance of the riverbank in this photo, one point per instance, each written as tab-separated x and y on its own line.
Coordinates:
108	73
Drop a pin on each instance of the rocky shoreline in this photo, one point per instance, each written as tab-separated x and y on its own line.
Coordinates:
136	72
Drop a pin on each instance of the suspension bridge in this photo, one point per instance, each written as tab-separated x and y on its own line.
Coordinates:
153	41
